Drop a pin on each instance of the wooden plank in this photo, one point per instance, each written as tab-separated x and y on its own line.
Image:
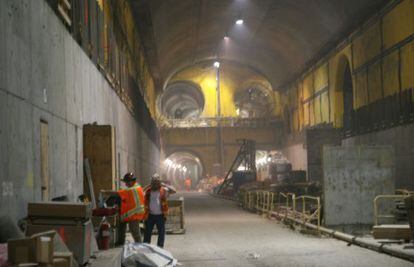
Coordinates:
99	148
44	160
391	231
89	182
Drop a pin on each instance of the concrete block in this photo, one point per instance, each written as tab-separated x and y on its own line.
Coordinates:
396	137
352	177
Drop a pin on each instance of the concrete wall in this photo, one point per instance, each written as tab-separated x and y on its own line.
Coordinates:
352	177
316	139
295	151
400	138
45	75
304	150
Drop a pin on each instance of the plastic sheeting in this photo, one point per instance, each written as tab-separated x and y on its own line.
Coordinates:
146	255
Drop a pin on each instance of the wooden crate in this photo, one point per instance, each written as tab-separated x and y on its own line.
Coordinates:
175	218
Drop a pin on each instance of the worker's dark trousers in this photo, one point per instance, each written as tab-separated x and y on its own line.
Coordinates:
157	220
133	228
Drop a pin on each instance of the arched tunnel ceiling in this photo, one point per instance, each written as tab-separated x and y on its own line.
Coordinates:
279	37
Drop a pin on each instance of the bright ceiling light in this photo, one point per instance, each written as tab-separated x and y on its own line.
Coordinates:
217	64
239	22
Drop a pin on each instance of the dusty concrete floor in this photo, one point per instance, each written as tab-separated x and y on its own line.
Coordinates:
221	234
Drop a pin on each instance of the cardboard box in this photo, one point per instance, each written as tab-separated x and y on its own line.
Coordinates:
21	250
44	249
37	248
60	262
60	210
76	236
68	256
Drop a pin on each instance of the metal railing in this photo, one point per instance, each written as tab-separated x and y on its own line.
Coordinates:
214	122
379	198
309	212
404	192
284	205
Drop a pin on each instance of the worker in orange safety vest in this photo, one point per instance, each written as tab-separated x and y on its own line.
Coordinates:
187	183
132	209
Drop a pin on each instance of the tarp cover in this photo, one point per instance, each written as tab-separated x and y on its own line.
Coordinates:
146	255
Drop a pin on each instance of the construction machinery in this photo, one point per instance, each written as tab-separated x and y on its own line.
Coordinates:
242	170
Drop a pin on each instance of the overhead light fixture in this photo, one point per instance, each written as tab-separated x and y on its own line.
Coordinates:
226	36
217	64
239	22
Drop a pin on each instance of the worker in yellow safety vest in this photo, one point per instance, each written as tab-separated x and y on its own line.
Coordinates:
132	210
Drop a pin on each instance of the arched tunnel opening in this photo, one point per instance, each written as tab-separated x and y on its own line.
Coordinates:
182	100
253	101
181	167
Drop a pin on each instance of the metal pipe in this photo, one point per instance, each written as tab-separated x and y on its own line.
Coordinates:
220	148
355	240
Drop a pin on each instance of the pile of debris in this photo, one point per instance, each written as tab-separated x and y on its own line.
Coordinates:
209	183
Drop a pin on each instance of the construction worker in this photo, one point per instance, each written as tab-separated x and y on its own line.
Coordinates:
156	209
187	183
132	209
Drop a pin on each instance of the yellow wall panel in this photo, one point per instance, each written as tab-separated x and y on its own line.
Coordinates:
295	97
296	120
367	45
336	72
321	77
325	107
360	90
407	66
306	114
390	75
398	24
311	113
301	116
299	93
317	107
308	87
374	82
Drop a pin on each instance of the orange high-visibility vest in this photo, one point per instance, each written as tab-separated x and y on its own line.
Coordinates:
132	206
163	198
